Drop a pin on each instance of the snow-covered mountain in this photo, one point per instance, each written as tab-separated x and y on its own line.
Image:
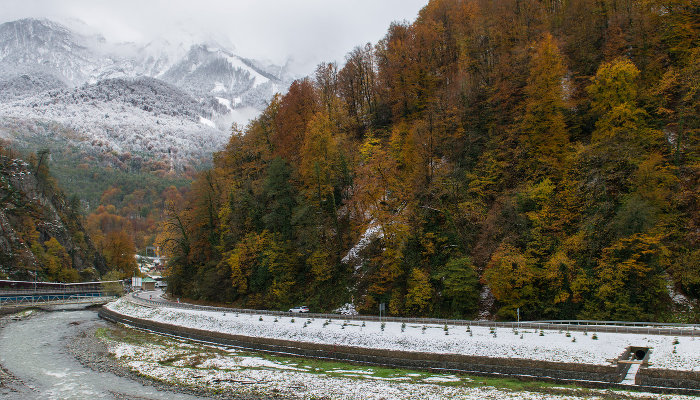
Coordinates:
156	99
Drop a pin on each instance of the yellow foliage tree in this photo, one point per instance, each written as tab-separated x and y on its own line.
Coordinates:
419	293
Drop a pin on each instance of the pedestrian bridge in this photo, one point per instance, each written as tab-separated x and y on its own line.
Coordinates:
26	293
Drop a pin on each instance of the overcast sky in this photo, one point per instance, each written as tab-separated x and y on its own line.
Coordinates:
308	31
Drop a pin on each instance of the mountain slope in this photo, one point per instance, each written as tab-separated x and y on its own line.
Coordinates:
143	116
40	233
159	100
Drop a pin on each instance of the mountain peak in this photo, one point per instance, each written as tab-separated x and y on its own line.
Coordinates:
158	98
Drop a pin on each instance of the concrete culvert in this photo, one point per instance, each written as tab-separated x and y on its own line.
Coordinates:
639	354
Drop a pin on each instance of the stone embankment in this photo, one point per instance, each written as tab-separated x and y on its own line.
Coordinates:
582	374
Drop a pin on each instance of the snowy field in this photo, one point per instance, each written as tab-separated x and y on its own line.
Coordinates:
222	369
679	353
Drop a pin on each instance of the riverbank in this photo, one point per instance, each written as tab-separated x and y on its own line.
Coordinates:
55	355
278	335
90	347
231	370
83	357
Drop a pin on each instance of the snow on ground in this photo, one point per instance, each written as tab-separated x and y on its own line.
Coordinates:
225	102
553	345
207	122
370	233
218	369
218	86
346	309
237	63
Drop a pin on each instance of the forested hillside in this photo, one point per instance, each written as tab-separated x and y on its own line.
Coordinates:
494	155
41	232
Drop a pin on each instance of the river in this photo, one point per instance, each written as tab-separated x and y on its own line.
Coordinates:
34	351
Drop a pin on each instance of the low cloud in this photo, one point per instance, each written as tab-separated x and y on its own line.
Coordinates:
308	31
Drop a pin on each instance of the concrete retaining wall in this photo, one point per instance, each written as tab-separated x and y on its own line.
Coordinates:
665	377
393	358
587	375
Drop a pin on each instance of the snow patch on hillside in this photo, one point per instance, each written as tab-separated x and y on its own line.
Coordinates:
207	122
372	232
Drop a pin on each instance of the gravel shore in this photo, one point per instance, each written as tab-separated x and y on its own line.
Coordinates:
92	353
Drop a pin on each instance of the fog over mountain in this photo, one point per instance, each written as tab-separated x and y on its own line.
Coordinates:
159	99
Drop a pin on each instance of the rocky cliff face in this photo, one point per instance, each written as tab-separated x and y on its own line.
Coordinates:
40	231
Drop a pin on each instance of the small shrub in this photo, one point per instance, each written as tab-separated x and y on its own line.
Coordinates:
383	326
363	324
403	327
291	320
595	336
541	332
573	340
469	329
675	341
521	336
260	319
568	334
423	329
275	319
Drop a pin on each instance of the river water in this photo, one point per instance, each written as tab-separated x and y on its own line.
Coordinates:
34	351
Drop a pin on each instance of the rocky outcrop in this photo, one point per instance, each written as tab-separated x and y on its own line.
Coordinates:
32	212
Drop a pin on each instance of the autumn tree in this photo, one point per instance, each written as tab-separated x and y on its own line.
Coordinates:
295	111
119	253
544	135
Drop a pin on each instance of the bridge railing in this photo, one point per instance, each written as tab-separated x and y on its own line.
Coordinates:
650	328
48	299
5	292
